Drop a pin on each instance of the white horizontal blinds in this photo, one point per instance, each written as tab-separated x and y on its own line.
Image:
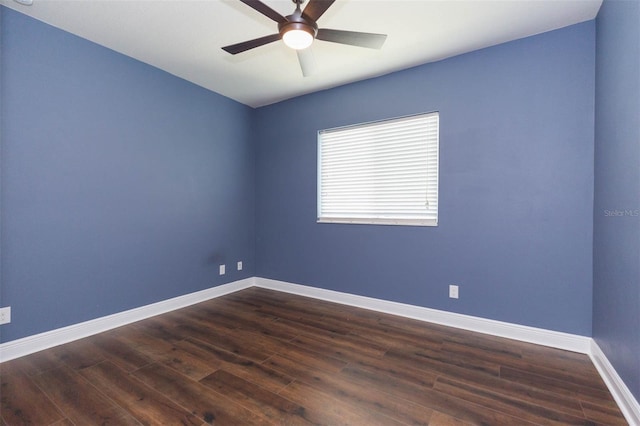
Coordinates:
383	172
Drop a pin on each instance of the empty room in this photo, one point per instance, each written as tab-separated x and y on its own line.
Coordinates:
330	212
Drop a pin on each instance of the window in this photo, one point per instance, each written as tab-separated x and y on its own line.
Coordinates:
384	172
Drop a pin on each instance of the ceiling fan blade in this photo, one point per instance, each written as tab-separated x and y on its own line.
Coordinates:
265	10
307	61
316	8
370	40
250	44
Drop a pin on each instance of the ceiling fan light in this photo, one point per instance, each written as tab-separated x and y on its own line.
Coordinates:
297	39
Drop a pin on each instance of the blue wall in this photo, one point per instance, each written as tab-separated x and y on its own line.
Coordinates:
516	186
121	184
616	313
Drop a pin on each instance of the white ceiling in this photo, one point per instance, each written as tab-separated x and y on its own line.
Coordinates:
184	37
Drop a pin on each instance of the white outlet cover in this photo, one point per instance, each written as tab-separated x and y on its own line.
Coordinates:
240	266
222	269
453	291
5	315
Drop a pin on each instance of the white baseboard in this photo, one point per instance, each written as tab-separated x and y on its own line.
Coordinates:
621	393
38	342
49	339
555	339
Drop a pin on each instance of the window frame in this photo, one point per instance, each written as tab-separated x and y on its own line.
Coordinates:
432	143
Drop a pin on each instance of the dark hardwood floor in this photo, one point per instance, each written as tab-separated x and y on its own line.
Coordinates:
263	357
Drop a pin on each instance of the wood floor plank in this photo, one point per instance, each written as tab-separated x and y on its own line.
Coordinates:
347	347
407	334
22	402
601	414
505	404
252	321
146	404
226	342
34	363
259	296
397	338
577	376
203	402
393	371
441	419
159	327
67	422
169	354
327	308
416	360
295	329
81	402
503	355
213	318
434	400
119	352
373	399
79	354
463	361
354	317
268	344
303	317
141	340
556	385
312	359
271	405
554	401
322	409
318	310
418	328
551	357
249	370
247	300
510	348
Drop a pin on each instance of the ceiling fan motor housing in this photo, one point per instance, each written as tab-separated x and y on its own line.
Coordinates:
298	22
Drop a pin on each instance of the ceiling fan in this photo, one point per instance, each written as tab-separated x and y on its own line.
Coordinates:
299	29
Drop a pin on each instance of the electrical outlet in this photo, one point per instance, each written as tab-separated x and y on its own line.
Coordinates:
240	265
5	315
222	269
453	291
